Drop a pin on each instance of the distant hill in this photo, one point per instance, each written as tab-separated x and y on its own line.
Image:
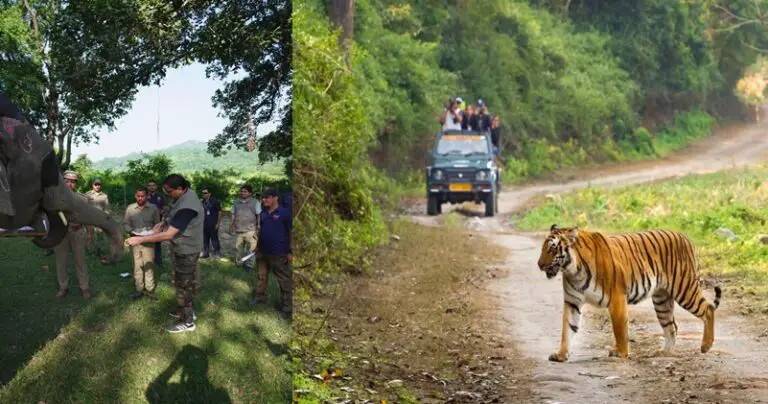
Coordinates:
192	155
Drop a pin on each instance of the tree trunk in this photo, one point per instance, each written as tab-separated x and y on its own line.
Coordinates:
341	13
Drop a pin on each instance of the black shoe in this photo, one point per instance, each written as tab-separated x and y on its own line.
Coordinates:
137	295
150	295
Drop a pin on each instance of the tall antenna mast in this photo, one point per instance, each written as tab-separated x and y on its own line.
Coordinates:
252	138
158	114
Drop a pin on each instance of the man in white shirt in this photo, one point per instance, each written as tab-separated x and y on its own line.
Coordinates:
451	116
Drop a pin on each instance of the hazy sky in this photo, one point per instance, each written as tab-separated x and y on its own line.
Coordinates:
186	113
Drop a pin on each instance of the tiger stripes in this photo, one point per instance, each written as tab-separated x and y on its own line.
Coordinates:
612	271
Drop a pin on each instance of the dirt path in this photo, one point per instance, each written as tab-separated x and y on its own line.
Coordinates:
734	371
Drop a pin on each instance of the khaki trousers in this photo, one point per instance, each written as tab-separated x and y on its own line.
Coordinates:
245	243
74	242
143	267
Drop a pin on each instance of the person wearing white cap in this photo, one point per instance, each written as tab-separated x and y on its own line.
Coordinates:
74	242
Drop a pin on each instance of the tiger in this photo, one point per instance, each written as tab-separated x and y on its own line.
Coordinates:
611	271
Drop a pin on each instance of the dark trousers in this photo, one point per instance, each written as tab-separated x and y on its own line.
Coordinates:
211	238
158	254
283	272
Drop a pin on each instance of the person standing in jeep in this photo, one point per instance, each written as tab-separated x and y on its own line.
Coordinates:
184	229
451	117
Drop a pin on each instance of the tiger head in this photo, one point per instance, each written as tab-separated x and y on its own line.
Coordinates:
557	252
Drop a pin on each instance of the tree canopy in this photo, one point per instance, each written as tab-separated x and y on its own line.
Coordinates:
77	66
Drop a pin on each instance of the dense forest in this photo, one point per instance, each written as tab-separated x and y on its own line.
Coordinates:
574	82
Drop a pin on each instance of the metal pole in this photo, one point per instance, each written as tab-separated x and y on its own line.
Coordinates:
158	115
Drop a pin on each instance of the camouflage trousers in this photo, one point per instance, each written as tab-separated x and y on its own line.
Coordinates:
186	283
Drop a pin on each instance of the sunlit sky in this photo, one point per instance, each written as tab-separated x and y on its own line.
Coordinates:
186	113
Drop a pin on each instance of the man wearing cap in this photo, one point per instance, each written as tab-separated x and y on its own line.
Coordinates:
74	242
245	224
100	201
273	251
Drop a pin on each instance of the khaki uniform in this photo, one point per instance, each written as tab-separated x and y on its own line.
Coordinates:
100	201
138	219
74	242
245	214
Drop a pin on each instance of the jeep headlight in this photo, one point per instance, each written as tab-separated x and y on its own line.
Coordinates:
437	174
481	175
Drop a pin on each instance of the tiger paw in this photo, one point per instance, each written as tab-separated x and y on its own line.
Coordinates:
615	353
557	357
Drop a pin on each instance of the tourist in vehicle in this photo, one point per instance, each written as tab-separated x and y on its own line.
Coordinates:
467	117
450	119
495	133
481	121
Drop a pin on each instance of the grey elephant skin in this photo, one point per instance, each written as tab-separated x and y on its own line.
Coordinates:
32	188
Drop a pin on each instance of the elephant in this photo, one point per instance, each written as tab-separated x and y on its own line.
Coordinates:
33	193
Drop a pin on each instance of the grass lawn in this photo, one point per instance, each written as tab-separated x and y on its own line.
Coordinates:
113	349
702	206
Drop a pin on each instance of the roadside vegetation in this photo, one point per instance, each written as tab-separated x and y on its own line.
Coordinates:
724	214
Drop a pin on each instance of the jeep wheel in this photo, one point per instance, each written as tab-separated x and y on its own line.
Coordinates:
490	204
433	205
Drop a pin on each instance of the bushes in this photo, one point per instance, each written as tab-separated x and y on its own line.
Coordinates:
121	186
336	219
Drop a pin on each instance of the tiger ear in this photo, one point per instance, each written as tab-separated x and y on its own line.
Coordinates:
554	228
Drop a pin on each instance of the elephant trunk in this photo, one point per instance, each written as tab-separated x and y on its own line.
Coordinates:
77	210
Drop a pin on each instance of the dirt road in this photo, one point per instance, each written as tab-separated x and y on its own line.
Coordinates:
734	371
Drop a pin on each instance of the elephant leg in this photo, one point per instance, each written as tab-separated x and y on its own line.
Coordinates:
6	205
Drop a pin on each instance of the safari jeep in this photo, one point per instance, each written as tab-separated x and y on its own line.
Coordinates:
462	170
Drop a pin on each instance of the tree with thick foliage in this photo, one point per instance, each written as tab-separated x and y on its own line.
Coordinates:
75	67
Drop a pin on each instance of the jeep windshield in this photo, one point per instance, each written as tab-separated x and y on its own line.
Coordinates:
463	145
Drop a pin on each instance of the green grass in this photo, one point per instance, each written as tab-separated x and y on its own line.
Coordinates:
112	349
696	206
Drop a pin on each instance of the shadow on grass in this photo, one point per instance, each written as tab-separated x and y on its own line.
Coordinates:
111	348
194	386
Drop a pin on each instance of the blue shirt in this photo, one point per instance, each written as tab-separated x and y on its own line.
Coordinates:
275	232
211	207
156	200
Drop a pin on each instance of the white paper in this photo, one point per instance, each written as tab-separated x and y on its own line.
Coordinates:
247	257
143	233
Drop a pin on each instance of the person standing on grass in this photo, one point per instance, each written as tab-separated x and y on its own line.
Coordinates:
75	243
139	217
273	252
99	200
184	229
156	199
213	214
245	224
